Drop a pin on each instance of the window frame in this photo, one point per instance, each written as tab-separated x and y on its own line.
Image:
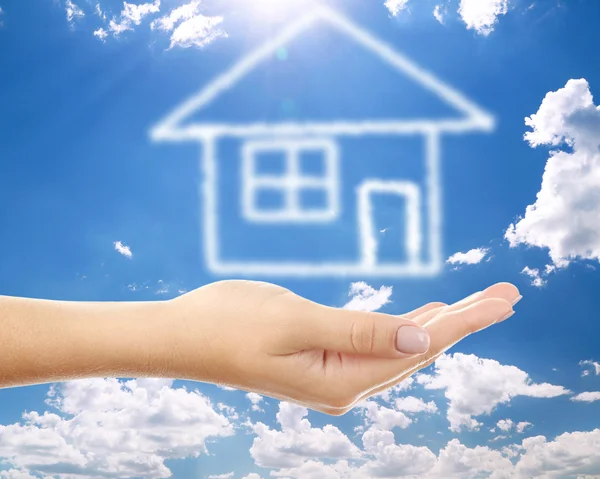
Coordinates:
291	182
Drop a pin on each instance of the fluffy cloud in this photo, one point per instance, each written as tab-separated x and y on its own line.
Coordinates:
473	256
569	455
367	298
73	11
105	427
132	15
590	367
255	399
413	404
439	12
227	475
383	418
482	15
123	249
396	6
507	425
521	426
298	441
184	12
188	27
101	34
588	396
564	217
536	277
457	461
198	31
475	386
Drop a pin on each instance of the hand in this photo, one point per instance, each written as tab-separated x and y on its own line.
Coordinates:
260	337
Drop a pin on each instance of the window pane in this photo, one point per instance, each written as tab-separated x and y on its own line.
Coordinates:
313	199
312	163
270	163
269	200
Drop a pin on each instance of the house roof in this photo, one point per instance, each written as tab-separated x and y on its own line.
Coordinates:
179	124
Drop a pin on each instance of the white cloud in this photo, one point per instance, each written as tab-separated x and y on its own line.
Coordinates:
123	249
521	426
221	476
536	277
197	31
255	399
106	427
413	404
564	217
440	12
367	298
383	418
590	366
457	461
569	455
482	15
475	386
392	392
252	475
132	15
396	6
474	256
505	425
98	10
184	12
393	460
73	11
588	396
298	441
101	34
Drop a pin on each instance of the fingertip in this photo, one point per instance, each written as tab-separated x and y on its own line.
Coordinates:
507	291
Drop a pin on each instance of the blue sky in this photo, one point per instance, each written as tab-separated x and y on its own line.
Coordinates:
92	209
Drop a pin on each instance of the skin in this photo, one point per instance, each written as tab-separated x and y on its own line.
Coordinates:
250	335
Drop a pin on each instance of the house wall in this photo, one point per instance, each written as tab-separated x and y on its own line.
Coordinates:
393	158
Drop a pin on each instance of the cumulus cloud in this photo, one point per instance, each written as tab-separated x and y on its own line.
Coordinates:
101	34
73	11
367	298
168	22
440	12
564	217
123	249
227	475
482	15
588	396
413	404
474	256
475	386
255	399
197	31
569	455
507	425
132	15
396	6
298	441
589	367
536	277
107	427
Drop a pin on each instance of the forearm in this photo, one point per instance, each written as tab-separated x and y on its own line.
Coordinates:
45	341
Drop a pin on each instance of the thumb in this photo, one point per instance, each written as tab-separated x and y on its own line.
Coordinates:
360	332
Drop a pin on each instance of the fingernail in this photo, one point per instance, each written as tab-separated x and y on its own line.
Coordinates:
412	340
516	300
504	318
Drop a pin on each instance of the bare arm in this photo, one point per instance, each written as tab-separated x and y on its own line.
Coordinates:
251	335
47	341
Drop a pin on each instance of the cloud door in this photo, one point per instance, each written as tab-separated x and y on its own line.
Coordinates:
390	235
